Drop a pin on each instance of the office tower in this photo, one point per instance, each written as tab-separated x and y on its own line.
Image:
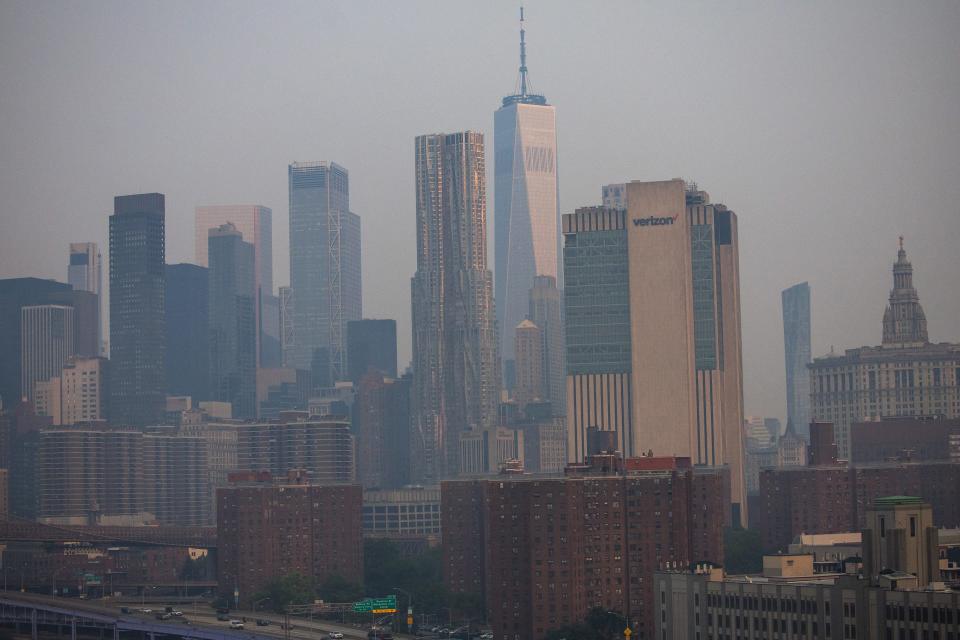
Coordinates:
382	427
176	480
76	394
796	347
526	215
545	312
266	532
138	334
232	336
900	537
47	341
905	376
371	344
187	360
85	273
653	327
324	265
490	450
16	293
255	223
456	372
596	536
528	359
323	447
286	327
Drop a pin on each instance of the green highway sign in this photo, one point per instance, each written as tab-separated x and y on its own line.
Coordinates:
376	605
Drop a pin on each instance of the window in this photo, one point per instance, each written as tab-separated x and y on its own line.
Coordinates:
913	526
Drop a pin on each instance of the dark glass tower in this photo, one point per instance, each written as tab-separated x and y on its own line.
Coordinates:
371	344
233	323
137	311
188	351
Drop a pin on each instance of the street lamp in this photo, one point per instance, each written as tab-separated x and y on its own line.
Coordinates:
409	615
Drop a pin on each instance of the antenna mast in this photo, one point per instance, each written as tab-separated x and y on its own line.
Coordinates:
523	58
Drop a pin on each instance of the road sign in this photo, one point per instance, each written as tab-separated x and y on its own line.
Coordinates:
376	605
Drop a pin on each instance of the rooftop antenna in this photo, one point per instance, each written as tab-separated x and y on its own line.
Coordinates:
523	57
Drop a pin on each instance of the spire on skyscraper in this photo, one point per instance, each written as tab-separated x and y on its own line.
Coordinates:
522	96
904	320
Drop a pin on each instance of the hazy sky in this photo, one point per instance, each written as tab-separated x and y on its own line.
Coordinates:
829	127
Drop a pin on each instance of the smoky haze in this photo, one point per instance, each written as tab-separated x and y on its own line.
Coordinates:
830	128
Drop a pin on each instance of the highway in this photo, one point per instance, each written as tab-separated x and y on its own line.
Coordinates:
197	617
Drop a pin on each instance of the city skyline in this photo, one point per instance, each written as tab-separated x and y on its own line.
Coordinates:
639	132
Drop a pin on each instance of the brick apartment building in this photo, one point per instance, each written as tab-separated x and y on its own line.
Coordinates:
914	439
834	499
266	531
544	550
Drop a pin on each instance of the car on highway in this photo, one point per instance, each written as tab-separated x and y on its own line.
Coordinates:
223	617
236	624
335	635
262	623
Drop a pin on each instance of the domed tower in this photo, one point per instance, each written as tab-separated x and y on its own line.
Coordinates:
904	320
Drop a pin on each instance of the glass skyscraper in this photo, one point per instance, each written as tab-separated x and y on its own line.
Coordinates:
455	365
255	222
232	338
188	329
797	355
324	265
526	217
138	334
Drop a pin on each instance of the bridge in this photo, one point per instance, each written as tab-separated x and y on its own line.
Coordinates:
43	615
16	530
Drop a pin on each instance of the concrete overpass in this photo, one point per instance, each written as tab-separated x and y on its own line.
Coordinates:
44	615
16	530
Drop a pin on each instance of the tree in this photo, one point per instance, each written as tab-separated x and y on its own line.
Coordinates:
598	625
385	567
742	551
336	588
293	588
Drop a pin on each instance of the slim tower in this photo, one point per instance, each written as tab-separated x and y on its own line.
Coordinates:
796	351
324	264
85	273
137	311
526	216
456	384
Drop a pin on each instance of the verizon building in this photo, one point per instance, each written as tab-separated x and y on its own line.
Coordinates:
652	305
